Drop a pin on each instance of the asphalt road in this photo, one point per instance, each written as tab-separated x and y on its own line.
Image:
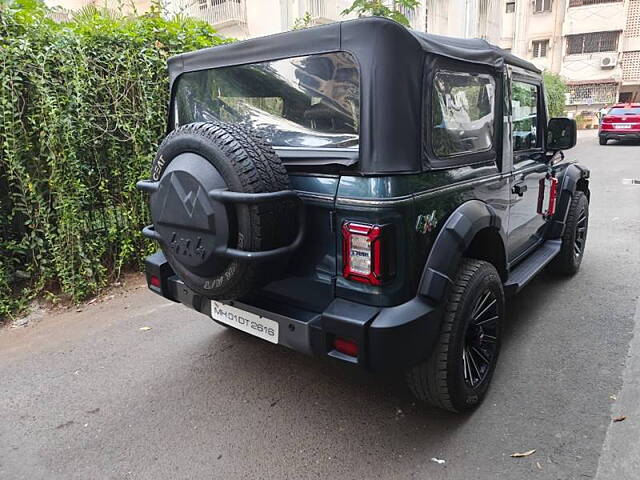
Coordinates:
88	395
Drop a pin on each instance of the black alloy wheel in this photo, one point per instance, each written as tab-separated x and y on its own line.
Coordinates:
480	344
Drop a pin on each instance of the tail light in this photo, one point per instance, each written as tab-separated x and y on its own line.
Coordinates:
155	281
366	253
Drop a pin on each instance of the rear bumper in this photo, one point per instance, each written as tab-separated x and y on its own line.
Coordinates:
619	135
389	338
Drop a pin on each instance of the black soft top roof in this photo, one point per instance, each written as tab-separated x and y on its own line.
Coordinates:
470	50
391	60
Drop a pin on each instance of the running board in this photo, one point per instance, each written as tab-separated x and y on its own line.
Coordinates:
531	266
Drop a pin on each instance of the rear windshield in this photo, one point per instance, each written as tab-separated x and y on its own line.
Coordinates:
625	111
311	101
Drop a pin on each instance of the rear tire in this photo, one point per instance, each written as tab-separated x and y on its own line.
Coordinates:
574	238
457	375
602	140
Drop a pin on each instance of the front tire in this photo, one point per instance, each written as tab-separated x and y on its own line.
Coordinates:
457	375
574	238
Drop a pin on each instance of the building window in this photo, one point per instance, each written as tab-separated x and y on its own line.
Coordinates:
580	3
540	6
625	97
592	42
511	7
589	93
540	48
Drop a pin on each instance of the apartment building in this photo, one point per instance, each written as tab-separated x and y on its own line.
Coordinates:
593	44
252	18
66	7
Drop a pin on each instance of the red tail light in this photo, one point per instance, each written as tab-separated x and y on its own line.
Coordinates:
348	347
154	281
366	256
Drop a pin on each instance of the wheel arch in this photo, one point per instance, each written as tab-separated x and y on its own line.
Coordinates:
464	233
574	178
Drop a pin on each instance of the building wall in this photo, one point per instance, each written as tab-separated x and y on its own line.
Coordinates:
522	27
462	18
139	6
588	19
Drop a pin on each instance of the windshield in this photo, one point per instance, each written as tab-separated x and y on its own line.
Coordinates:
311	101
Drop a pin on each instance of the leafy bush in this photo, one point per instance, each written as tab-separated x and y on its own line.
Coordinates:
82	109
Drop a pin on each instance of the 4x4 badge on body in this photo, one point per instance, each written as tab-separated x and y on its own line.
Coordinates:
426	223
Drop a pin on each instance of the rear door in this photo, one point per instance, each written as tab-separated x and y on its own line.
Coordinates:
309	281
529	166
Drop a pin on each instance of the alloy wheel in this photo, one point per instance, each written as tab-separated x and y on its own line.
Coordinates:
581	234
480	343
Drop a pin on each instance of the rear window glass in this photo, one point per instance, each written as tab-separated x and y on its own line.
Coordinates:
311	101
624	111
462	113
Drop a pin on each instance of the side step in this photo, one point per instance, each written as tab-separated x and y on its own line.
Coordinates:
529	268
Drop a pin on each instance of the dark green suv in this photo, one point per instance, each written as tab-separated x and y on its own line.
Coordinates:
367	193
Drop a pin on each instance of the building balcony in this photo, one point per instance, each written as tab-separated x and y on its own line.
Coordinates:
594	17
219	13
320	11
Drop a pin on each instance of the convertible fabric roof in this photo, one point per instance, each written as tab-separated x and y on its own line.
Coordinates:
392	68
470	50
344	36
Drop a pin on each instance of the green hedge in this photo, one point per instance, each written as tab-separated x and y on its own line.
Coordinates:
82	109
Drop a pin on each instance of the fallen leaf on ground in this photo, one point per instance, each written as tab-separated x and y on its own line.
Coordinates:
523	454
612	397
438	460
144	329
621	418
539	466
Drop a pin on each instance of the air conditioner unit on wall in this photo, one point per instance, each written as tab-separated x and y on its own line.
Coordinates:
609	61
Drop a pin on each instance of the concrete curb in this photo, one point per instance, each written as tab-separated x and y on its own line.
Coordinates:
620	457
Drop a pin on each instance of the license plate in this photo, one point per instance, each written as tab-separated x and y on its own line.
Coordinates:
621	125
262	327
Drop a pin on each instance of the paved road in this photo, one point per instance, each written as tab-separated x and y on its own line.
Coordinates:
87	395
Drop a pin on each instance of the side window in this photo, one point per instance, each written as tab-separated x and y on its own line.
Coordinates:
524	107
463	113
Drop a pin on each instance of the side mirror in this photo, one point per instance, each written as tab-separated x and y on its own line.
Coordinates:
561	134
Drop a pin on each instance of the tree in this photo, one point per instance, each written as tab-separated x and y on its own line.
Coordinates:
555	90
377	8
303	22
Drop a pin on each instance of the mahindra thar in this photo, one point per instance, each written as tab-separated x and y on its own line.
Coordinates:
364	192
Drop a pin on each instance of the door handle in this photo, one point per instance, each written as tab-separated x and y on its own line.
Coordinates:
519	189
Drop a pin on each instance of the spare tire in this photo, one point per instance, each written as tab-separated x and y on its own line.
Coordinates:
195	159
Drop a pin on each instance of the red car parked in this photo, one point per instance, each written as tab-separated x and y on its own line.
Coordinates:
620	123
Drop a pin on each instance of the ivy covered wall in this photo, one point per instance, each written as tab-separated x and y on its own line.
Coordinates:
82	110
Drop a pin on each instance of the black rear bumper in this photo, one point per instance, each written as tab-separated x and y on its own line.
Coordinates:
618	135
389	338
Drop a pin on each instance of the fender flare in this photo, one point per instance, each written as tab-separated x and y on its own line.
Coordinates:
451	242
574	178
